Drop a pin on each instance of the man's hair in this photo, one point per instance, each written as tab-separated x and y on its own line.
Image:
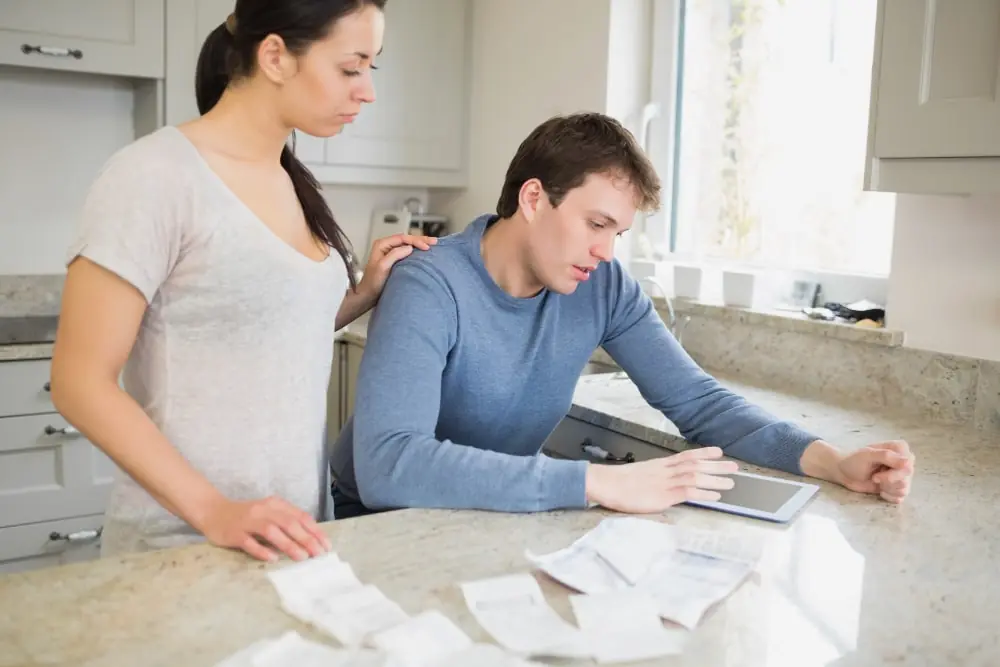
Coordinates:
564	150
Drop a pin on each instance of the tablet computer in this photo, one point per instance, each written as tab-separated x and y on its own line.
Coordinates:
761	497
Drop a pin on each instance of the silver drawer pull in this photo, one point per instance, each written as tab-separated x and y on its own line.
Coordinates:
79	536
602	454
65	430
57	51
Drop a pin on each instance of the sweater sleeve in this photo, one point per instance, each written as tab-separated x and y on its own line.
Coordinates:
398	460
705	412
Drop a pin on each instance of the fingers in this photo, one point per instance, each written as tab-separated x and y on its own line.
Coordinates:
257	550
394	256
384	245
694	454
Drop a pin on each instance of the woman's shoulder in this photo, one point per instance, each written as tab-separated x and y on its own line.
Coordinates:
159	158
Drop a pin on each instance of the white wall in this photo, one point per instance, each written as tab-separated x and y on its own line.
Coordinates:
56	129
531	59
944	287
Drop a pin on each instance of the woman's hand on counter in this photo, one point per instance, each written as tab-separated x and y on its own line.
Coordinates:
654	485
242	524
883	468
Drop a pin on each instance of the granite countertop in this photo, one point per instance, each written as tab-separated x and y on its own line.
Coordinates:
852	579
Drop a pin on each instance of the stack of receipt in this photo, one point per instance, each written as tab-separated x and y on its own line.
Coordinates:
375	631
684	570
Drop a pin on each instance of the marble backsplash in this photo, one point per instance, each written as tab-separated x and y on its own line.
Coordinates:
892	378
30	295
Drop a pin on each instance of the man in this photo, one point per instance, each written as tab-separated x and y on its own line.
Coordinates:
476	345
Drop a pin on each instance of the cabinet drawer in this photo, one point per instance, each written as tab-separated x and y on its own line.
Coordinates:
567	440
46	474
24	387
49	543
115	37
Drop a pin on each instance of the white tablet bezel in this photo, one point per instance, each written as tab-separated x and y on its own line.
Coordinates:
783	514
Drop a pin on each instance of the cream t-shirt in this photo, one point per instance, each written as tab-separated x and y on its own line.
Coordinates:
233	358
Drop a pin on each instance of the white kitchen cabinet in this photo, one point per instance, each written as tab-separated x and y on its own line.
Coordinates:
415	132
188	24
115	37
935	111
343	386
413	135
54	484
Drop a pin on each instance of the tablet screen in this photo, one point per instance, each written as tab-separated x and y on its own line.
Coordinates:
765	495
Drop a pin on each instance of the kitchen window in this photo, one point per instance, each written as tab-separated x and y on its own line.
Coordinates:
761	136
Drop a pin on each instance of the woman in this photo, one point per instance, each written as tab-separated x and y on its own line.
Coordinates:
214	275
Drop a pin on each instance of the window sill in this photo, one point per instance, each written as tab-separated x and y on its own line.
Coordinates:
784	321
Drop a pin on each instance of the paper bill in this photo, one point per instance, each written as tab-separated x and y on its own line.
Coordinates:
422	641
513	610
625	626
686	584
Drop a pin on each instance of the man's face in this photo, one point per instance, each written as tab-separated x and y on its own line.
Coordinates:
567	242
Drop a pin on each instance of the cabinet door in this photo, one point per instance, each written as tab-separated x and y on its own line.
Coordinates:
419	117
119	37
48	473
188	24
936	86
50	543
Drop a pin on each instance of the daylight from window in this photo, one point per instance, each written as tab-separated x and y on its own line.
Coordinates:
773	122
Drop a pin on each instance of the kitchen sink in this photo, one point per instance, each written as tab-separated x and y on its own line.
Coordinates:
28	329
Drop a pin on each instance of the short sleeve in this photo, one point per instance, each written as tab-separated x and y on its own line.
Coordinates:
131	223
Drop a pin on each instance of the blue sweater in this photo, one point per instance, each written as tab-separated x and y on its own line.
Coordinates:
461	383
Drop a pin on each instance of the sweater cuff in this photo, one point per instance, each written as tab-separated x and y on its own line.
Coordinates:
564	484
792	442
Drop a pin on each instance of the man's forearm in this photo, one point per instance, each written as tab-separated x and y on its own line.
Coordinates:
822	461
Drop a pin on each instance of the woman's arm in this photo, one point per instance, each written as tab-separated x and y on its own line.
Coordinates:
98	324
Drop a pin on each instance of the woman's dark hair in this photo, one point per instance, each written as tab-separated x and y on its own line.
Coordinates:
229	54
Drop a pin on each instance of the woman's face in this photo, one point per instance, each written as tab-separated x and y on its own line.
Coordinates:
330	82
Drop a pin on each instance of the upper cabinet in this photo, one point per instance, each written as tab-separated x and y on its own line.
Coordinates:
416	127
935	112
116	37
415	134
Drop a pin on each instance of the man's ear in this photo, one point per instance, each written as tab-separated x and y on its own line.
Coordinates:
529	197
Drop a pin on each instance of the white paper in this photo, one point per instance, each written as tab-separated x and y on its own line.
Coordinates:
742	547
353	616
631	545
513	610
686	584
686	570
422	640
625	626
484	655
325	592
293	649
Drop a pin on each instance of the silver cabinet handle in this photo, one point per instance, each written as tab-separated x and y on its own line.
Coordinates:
57	51
65	430
47	387
79	536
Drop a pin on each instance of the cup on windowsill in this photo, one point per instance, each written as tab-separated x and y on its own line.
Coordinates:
739	288
687	282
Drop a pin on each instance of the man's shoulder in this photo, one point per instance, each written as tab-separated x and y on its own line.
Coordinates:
447	261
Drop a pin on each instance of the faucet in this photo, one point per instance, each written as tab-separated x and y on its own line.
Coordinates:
676	328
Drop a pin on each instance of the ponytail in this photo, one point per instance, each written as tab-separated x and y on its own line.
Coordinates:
229	52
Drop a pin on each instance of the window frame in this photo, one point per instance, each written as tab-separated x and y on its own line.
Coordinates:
662	139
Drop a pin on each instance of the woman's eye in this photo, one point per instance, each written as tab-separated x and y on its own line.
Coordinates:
596	225
351	72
